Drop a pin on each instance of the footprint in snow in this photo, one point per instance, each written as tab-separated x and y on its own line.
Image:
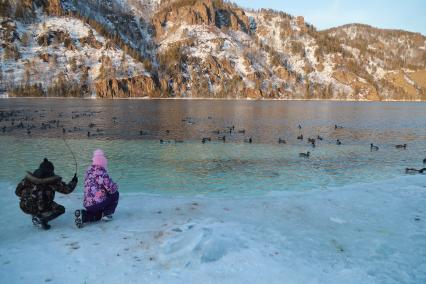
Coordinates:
74	245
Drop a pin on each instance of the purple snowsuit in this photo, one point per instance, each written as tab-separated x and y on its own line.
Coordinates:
100	194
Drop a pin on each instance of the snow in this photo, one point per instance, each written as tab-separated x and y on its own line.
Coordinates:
75	27
360	233
142	8
46	72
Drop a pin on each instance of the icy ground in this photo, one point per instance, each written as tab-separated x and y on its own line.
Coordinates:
366	233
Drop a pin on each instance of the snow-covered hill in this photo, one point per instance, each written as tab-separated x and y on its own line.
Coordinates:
60	50
203	48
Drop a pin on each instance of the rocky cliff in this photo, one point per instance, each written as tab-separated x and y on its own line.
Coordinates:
200	48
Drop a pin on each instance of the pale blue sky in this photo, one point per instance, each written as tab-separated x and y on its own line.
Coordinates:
408	15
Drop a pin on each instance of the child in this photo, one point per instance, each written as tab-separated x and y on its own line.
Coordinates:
100	193
37	192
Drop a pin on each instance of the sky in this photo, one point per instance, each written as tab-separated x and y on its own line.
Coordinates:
408	15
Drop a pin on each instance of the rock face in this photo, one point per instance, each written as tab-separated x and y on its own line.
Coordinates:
201	12
140	86
51	7
205	48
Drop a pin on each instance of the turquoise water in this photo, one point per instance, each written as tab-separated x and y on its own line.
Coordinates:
140	163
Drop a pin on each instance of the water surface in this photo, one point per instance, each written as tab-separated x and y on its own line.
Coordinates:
129	131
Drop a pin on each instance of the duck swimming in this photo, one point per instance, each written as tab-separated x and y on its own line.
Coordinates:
206	139
338	142
249	140
415	171
373	147
403	146
305	155
281	141
300	137
319	138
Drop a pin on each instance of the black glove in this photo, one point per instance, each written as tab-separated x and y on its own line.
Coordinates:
75	178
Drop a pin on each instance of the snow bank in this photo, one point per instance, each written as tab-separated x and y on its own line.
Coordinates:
365	233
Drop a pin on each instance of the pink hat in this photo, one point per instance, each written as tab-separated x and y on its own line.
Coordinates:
99	159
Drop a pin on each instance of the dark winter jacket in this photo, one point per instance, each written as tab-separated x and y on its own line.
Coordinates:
37	194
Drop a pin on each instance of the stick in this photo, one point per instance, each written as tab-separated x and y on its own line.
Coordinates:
72	153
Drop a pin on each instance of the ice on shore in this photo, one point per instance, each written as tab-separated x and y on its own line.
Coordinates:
364	233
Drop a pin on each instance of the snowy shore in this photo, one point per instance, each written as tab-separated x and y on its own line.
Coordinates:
366	233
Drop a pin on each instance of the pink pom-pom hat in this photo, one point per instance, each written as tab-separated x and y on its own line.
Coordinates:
99	159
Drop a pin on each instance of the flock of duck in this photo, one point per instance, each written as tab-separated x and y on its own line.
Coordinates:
21	120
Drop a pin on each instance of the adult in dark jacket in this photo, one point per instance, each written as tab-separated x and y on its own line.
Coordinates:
37	192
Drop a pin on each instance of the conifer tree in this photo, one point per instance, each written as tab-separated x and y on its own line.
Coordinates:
5	8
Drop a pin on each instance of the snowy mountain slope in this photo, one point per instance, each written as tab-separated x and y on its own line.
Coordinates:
60	48
206	48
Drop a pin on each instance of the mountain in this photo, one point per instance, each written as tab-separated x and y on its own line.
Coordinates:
199	48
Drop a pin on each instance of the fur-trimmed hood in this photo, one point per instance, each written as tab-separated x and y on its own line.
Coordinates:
49	180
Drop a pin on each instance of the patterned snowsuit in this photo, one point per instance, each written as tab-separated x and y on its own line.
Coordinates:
37	195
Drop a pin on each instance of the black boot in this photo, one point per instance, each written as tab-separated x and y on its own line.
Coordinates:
44	225
41	223
36	221
79	218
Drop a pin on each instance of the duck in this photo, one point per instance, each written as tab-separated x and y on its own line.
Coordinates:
310	140
242	131
338	127
222	138
338	142
300	137
205	139
231	128
164	141
403	146
249	140
319	138
305	155
281	141
313	144
415	171
374	147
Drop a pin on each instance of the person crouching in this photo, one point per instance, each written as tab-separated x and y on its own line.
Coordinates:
37	192
100	193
